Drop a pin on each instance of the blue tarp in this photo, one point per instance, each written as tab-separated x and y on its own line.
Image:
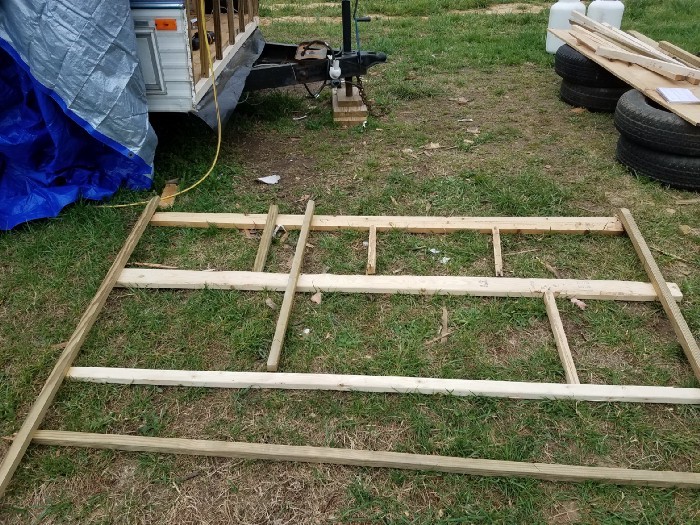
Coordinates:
73	112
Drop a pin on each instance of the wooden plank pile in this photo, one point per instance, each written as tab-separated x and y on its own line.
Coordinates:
638	60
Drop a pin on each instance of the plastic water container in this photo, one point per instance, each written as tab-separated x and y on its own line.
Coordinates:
607	11
559	15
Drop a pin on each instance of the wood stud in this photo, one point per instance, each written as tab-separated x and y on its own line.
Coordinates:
289	292
372	251
294	282
497	257
266	239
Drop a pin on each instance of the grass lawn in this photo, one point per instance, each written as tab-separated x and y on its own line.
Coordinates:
524	152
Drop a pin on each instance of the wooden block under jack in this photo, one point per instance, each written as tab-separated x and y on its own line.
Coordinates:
348	111
343	100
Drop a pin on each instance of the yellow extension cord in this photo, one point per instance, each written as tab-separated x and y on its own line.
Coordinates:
218	121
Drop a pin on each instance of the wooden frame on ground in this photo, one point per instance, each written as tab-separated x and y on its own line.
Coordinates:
547	289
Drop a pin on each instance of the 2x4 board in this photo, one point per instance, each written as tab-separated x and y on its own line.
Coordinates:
548	289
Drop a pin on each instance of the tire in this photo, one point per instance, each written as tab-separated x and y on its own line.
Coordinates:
574	67
677	171
655	128
593	98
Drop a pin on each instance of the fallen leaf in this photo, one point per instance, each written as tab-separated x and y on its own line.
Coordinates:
578	110
474	130
685	229
468	142
304	198
432	145
579	303
269	302
434	250
270	179
445	260
393	200
248	234
317	297
407	150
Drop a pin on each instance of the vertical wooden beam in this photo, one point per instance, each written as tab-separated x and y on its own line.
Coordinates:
497	257
231	23
241	16
204	58
285	310
218	34
53	383
560	338
266	239
190	32
680	327
372	251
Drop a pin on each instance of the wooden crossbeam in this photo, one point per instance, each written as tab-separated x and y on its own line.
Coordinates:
497	256
680	326
388	384
266	239
603	225
372	251
70	352
404	284
560	339
370	458
290	289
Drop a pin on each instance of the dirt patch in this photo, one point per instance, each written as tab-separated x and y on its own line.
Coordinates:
504	9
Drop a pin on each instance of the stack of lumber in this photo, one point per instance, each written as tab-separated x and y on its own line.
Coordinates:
638	60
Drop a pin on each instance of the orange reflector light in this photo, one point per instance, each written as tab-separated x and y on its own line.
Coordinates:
166	24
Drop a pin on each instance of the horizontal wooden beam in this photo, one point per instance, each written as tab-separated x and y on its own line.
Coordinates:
604	225
390	384
369	458
402	284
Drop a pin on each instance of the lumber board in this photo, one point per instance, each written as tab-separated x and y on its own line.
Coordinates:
370	458
560	339
497	255
641	36
290	290
680	326
266	239
642	79
53	382
402	284
603	225
680	53
672	71
388	384
619	36
372	251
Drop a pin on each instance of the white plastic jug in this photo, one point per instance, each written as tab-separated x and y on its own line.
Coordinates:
607	11
559	15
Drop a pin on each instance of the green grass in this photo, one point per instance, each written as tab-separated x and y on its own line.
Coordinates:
532	156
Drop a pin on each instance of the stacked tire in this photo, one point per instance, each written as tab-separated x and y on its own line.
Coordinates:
585	83
656	143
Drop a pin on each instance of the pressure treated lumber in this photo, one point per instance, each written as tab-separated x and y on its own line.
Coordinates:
680	53
560	339
290	289
389	384
402	284
680	327
266	239
497	256
372	251
639	78
41	404
604	225
672	71
370	458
